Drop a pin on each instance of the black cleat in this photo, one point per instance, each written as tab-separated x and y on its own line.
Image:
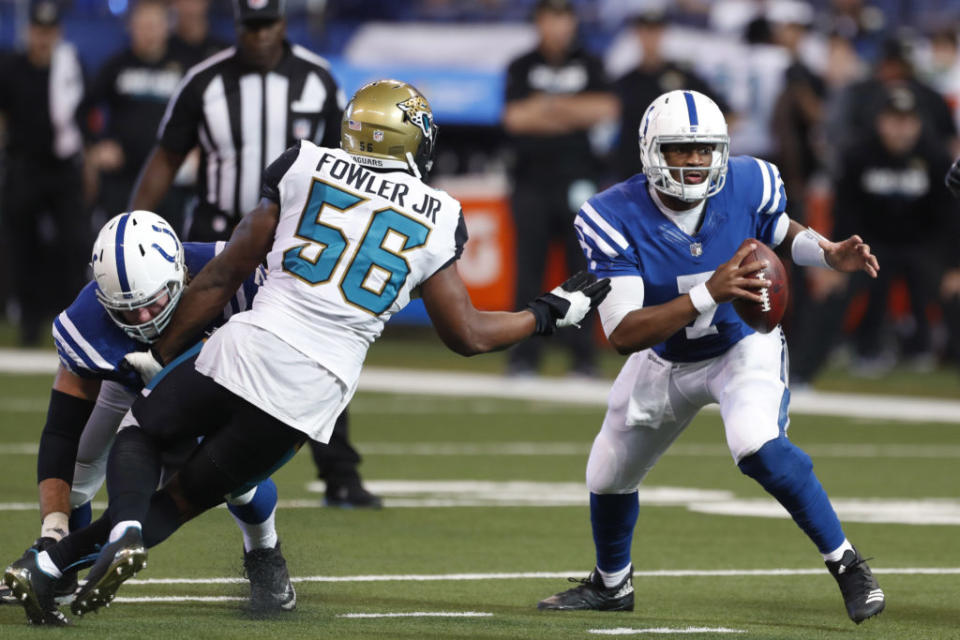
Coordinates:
118	562
270	588
592	595
861	592
34	590
66	585
350	495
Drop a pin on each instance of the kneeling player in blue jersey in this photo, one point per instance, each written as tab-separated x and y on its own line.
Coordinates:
668	240
140	271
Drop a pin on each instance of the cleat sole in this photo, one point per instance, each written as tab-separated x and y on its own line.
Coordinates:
126	564
18	581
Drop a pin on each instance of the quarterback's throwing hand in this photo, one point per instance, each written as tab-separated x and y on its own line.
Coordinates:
144	363
852	254
569	303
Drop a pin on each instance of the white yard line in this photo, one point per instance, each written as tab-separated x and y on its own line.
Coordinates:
626	631
419	614
570	392
163	599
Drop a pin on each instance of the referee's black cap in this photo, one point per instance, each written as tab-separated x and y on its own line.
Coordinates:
557	6
45	13
258	10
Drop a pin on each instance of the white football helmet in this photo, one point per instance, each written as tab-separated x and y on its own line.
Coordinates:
684	117
137	259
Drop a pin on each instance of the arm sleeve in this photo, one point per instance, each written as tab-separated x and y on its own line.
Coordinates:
66	418
626	295
275	172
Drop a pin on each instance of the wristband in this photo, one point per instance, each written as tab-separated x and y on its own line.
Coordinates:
702	301
806	250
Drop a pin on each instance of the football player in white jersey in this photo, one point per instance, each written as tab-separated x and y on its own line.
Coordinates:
349	236
672	239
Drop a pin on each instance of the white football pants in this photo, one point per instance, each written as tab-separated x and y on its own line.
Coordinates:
653	400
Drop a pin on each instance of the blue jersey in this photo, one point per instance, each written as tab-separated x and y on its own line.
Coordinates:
623	233
91	345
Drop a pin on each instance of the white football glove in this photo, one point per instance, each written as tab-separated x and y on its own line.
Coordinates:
569	303
144	363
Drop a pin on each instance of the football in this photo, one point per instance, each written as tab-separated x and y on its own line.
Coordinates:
763	317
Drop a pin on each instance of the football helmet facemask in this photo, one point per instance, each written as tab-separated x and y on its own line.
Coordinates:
138	259
684	117
389	124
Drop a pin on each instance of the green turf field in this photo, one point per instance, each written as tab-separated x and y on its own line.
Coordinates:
453	523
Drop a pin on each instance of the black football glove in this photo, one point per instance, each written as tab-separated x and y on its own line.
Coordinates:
953	178
569	303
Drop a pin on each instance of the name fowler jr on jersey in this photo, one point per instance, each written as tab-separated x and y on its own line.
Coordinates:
376	185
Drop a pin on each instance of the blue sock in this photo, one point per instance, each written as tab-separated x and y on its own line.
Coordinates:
260	507
613	517
786	472
80	517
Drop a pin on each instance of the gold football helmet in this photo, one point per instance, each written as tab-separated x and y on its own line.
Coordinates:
388	124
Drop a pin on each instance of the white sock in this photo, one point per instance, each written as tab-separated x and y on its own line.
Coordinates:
836	554
259	536
121	528
45	562
55	525
614	578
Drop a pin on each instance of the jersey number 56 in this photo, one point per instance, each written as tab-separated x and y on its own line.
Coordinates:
372	261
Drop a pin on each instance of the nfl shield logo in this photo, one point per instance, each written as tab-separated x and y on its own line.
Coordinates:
377	135
696	249
301	128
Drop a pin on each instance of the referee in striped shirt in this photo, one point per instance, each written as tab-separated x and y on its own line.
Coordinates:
245	106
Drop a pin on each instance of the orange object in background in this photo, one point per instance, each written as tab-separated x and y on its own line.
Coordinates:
488	266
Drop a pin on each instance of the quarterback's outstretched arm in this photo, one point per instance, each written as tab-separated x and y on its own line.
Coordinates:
808	248
469	331
219	280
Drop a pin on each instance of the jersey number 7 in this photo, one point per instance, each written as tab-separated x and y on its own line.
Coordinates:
702	325
370	258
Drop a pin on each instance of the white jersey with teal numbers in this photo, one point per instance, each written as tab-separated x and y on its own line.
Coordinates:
350	249
623	233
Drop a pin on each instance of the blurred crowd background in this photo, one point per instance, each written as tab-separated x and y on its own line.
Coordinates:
857	102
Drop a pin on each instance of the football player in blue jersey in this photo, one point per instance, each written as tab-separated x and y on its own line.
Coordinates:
671	241
140	270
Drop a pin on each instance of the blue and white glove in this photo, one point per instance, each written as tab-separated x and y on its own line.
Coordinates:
569	303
